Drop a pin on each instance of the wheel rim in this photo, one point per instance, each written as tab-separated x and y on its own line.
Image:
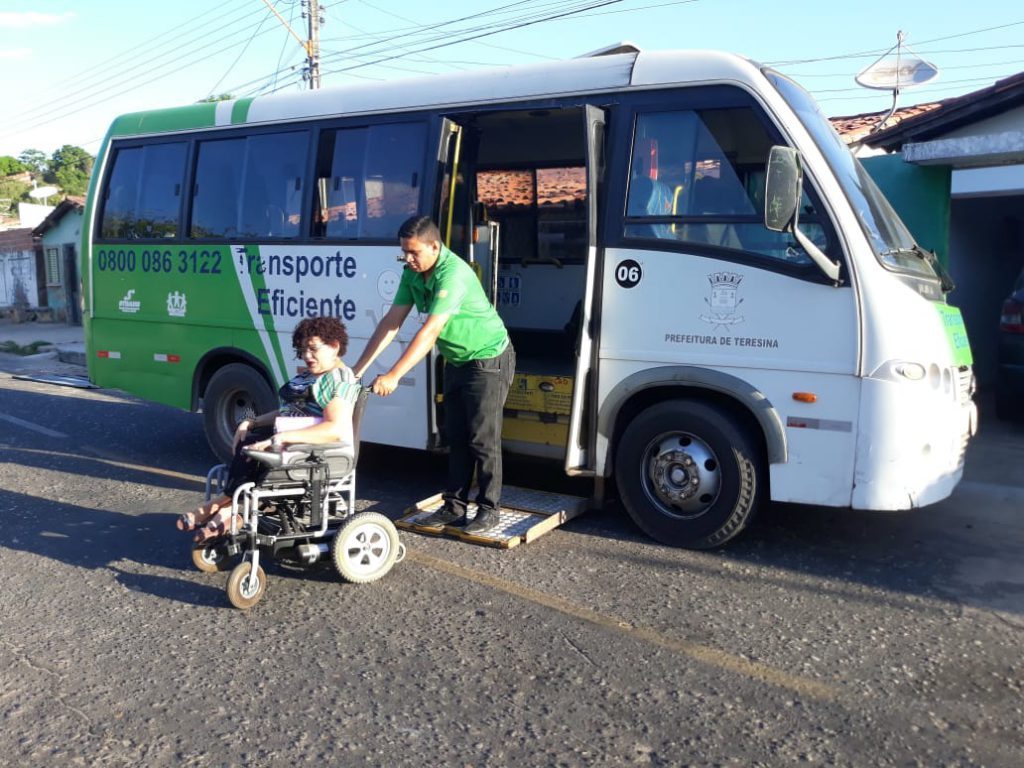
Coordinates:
237	405
682	476
249	586
210	555
366	548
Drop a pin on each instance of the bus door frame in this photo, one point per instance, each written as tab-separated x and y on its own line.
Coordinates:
580	449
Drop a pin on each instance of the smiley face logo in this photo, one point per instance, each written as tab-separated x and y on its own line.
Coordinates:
387	284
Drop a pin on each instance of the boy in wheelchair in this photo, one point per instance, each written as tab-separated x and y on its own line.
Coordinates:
289	490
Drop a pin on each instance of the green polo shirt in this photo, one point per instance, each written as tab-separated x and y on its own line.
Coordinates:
473	331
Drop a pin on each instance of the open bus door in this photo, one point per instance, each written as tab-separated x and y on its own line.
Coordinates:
449	155
579	449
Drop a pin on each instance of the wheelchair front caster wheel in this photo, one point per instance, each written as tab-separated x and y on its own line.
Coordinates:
210	557
365	547
246	588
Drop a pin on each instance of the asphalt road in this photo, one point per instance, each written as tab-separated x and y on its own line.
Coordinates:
821	637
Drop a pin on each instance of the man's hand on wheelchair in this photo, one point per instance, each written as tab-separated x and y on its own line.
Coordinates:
385	384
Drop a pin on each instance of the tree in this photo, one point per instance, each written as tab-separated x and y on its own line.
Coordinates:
36	161
70	167
11	193
10	166
212	98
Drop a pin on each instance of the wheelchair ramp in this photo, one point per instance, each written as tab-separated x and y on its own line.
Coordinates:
525	515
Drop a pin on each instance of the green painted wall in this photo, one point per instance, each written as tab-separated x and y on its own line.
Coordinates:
920	195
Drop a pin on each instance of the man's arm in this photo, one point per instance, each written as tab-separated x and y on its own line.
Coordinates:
421	344
383	335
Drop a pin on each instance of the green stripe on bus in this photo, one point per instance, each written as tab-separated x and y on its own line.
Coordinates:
165	120
240	111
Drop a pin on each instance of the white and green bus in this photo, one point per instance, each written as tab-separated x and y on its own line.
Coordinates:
674	333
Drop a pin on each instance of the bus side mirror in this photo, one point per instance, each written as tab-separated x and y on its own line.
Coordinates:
783	188
782	194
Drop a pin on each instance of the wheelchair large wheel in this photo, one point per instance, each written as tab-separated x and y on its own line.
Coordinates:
210	557
246	588
365	547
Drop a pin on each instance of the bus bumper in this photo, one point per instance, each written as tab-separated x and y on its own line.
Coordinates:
913	439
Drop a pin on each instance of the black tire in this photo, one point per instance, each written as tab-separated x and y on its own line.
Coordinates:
235	392
365	548
243	591
689	474
210	557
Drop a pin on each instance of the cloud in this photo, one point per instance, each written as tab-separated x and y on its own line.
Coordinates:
15	53
29	19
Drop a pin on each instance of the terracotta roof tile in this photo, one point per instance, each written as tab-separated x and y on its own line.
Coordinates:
853	128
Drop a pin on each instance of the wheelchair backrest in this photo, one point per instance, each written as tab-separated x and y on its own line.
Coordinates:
357	419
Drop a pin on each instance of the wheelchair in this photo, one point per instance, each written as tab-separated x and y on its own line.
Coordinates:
301	513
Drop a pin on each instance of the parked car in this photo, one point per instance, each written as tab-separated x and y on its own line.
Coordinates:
1010	376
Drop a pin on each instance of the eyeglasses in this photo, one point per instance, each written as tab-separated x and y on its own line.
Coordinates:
312	349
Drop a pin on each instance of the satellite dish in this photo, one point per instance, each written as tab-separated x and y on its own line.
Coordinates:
40	193
894	72
897	74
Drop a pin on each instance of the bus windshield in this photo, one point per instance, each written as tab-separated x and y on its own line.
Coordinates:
889	237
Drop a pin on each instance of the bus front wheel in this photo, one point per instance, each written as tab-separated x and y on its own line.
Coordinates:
235	392
689	474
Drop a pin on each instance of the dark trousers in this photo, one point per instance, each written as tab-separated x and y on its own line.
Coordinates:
243	469
474	399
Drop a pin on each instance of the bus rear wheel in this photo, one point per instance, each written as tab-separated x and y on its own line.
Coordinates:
235	392
689	474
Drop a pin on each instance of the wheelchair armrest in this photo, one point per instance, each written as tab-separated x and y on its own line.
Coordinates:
297	452
324	451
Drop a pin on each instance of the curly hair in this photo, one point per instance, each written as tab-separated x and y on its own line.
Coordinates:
330	330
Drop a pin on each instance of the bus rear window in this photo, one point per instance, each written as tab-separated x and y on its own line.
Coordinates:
143	193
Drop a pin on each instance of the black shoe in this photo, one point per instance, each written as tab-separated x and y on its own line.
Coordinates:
484	521
441	518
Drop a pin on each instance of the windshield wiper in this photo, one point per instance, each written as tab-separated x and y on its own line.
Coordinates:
945	279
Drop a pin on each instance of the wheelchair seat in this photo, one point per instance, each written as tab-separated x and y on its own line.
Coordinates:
340	458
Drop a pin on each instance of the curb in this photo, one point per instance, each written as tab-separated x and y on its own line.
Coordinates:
71	356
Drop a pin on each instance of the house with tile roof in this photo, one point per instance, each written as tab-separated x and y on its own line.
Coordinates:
59	236
958	165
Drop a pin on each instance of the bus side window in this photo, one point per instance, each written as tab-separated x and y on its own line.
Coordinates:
697	176
368	180
339	164
122	189
215	192
272	195
143	193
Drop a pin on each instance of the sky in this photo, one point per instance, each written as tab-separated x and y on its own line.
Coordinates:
71	66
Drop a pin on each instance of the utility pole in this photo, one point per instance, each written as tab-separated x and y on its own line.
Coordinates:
311	12
313	45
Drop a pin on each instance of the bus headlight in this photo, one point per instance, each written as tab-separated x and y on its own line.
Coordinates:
912	371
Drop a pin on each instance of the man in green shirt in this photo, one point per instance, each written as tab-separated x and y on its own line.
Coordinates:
480	365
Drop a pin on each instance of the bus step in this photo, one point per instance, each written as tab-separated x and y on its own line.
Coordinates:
525	515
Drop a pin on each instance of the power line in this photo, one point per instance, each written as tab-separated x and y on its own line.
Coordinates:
423	30
150	45
917	90
878	51
802	75
474	35
21	126
241	53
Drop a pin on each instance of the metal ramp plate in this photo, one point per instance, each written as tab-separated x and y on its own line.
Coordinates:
525	515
